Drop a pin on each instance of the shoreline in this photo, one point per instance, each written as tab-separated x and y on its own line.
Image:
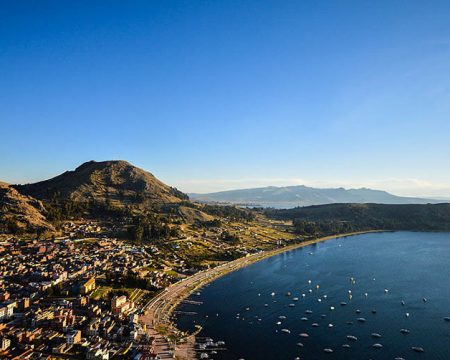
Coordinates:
157	312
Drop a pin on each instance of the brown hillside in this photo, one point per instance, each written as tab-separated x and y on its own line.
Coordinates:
118	181
19	212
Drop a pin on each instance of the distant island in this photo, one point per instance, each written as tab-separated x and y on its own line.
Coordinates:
300	195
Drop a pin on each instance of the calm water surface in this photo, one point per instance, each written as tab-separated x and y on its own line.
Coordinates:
411	266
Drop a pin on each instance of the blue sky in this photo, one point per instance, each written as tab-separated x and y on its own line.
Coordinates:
210	95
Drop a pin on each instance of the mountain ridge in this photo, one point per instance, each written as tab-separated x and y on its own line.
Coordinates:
301	195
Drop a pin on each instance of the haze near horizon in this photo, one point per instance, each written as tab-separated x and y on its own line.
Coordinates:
213	96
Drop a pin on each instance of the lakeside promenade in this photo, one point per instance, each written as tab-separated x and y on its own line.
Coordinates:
158	311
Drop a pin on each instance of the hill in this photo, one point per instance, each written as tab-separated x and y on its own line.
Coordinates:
115	182
338	218
292	196
20	213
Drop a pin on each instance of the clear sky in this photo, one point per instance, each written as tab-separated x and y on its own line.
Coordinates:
210	95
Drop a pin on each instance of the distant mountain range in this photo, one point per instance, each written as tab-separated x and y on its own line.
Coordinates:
292	196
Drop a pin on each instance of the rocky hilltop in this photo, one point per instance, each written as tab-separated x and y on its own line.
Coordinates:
116	181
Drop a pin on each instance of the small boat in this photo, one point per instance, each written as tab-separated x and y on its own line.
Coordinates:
266	305
418	349
331	308
447	318
349	322
352	338
374	311
377	346
278	322
295	299
404	331
376	335
291	305
328	350
221	343
323	316
308	312
424	300
304	335
407	315
315	325
272	294
346	346
287	331
343	303
330	325
288	293
358	311
204	356
399	358
282	317
386	291
361	319
402	302
304	319
300	344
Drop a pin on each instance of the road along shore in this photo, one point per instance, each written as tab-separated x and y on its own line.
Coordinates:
172	342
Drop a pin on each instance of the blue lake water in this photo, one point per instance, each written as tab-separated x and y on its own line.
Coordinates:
410	265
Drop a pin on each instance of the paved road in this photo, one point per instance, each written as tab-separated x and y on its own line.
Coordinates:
159	309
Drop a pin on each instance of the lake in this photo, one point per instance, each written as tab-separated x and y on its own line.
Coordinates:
394	280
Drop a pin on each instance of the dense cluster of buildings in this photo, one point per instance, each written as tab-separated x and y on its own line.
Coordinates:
68	298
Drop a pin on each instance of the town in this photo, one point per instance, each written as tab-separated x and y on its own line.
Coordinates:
81	295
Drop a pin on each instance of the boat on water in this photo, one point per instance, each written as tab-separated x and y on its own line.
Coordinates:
328	350
404	331
376	335
286	331
346	346
418	349
377	346
352	338
304	335
361	320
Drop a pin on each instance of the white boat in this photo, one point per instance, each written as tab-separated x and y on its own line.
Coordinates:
377	346
287	331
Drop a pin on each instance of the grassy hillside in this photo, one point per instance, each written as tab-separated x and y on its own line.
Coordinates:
20	213
337	218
